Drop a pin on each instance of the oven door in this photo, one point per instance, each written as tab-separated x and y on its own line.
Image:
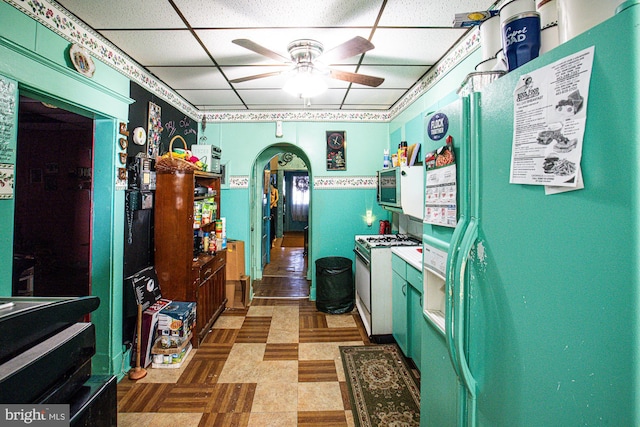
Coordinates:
363	280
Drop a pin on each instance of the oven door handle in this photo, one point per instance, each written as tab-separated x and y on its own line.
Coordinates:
362	257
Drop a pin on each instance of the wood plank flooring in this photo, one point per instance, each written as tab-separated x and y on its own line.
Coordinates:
274	363
285	275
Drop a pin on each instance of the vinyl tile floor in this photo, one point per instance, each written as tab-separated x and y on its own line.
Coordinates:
274	363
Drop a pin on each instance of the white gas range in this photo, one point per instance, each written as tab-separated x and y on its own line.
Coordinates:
373	280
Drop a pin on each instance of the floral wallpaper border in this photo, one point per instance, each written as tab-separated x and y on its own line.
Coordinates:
55	17
320	183
344	183
239	181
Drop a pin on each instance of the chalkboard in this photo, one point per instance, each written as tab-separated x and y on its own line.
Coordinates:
174	122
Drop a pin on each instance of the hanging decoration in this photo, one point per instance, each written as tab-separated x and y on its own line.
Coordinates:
302	183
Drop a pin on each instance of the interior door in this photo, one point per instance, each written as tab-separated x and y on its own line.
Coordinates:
266	220
297	201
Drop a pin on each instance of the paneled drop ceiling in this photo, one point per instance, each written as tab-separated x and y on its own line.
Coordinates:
187	44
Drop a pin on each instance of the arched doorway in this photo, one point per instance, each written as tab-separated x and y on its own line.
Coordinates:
260	197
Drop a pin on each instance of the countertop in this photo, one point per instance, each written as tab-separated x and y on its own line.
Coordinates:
411	254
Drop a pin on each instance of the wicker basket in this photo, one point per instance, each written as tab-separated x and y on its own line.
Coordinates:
171	164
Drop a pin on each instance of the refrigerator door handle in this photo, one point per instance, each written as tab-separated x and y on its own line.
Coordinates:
450	289
460	322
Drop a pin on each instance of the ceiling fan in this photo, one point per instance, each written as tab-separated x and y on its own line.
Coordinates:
308	56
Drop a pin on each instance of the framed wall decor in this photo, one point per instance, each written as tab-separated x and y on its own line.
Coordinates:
6	180
81	60
123	129
154	129
224	175
336	141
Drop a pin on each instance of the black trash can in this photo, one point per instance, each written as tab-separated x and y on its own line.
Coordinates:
335	290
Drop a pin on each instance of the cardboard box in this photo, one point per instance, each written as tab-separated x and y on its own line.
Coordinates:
231	294
177	319
235	259
245	282
173	361
149	327
176	345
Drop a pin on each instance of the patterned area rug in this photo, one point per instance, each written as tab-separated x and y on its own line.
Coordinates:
382	389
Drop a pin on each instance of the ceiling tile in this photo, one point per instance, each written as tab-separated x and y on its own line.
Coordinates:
368	96
191	77
153	47
211	97
277	98
411	46
420	13
290	13
395	76
125	13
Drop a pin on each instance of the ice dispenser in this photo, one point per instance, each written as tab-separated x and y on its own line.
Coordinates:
434	265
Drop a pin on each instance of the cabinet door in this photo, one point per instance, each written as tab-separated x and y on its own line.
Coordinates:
399	302
173	229
203	308
415	322
219	291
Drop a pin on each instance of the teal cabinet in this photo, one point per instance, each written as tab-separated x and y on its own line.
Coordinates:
415	322
407	308
399	303
414	314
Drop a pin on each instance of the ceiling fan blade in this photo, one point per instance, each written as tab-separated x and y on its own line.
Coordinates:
362	79
256	76
355	46
255	47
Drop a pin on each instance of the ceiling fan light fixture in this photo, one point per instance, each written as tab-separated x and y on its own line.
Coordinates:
305	83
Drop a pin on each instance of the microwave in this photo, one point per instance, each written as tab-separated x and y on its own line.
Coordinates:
389	187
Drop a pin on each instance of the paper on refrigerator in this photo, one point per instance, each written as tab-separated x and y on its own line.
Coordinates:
550	112
441	187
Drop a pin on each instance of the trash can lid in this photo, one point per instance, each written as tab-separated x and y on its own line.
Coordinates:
333	262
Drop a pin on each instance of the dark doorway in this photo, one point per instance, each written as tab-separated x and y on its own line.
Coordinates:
53	199
296	201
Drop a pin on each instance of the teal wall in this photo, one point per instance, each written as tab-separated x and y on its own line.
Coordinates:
7	206
336	214
242	142
37	59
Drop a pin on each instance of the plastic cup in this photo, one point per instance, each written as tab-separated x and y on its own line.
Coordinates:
516	7
521	39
